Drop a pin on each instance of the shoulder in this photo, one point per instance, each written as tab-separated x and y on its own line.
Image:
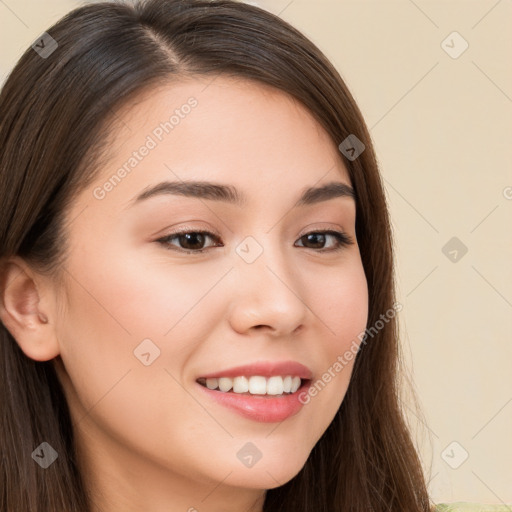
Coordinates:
470	507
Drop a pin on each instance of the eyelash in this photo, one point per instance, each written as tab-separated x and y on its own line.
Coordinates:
343	240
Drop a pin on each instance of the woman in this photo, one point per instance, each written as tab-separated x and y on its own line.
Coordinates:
197	308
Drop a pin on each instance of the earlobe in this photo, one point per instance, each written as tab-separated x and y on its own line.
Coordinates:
23	312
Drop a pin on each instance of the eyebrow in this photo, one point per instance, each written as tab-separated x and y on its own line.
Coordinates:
229	194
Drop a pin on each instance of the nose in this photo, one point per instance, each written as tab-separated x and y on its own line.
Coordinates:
267	295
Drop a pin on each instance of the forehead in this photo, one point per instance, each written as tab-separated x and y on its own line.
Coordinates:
230	130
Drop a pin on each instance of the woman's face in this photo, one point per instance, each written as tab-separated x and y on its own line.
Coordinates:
148	314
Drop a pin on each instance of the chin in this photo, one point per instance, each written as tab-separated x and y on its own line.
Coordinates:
265	476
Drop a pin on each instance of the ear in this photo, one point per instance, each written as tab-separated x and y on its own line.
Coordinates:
26	310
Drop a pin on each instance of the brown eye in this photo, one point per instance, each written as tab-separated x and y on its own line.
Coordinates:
191	241
317	240
188	241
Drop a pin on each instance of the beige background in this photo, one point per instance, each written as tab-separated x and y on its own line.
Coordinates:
442	129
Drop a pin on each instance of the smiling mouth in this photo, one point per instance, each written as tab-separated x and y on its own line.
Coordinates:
255	385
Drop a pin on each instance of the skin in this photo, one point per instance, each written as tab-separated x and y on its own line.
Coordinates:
148	439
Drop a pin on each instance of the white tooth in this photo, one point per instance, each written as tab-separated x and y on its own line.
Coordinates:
240	384
287	384
225	383
258	385
275	385
212	383
295	384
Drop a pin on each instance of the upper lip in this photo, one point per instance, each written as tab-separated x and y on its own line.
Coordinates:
265	369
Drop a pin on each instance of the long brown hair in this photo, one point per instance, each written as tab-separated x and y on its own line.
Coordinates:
53	127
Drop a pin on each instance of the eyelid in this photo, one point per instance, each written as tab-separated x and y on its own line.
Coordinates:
191	229
321	227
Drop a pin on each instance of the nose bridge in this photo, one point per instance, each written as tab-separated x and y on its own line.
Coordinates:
268	286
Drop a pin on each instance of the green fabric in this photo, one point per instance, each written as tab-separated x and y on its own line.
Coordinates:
471	507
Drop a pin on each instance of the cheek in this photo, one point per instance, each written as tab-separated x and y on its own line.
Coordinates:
339	298
161	298
341	304
141	300
106	321
113	308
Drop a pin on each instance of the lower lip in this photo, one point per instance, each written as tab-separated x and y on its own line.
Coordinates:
263	408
